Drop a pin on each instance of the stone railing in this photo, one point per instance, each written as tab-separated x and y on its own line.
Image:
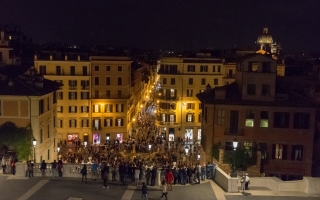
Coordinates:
225	181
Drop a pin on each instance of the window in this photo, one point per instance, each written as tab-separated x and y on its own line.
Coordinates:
172	93
60	95
43	70
215	81
72	70
190	81
54	121
265	90
119	68
266	67
108	94
59	123
85	123
264	119
72	84
84	95
108	81
60	109
96	124
172	118
203	68
108	108
107	68
164	81
119	122
249	118
96	108
247	147
58	70
84	70
221	117
234	118
119	107
301	120
72	123
279	151
41	106
96	94
72	95
84	109
107	122
173	81
96	81
96	68
216	68
41	136
203	81
119	80
119	93
202	91
251	89
191	68
84	84
189	118
54	97
190	105
281	120
48	129
163	117
72	109
189	93
297	152
200	106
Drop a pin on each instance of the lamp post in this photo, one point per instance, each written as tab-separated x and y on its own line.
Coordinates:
149	146
34	142
235	145
58	149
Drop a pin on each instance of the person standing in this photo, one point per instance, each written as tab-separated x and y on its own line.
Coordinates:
30	168
136	175
203	172
43	168
169	179
84	172
104	175
247	179
54	168
13	167
243	182
144	191
148	175
153	175
94	170
3	164
60	168
198	171
26	168
164	189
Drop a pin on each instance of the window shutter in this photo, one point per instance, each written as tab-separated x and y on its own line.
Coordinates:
175	93
61	124
111	108
167	94
104	122
174	118
93	110
167	118
69	82
75	123
82	122
93	123
99	124
122	122
273	151
186	117
61	107
75	108
81	109
75	83
69	109
61	95
121	107
87	109
82	82
69	123
76	95
69	95
284	152
193	105
110	122
117	108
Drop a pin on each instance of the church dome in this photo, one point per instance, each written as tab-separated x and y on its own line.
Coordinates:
265	37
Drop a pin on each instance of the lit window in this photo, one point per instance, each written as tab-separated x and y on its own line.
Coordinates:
264	119
172	93
250	119
221	117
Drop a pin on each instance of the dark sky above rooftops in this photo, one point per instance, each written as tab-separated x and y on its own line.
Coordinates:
167	24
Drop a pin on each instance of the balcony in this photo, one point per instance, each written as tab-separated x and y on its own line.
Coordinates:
84	87
167	98
234	131
111	96
167	123
72	87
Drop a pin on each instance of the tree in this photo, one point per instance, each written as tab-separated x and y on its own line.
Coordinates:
241	158
17	139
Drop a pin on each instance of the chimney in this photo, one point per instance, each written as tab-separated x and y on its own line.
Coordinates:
2	36
51	57
10	82
78	57
208	89
35	57
65	57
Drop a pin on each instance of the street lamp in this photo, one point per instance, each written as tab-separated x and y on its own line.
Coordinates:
34	142
149	146
186	150
235	145
85	143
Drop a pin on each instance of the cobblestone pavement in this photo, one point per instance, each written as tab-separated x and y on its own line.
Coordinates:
13	187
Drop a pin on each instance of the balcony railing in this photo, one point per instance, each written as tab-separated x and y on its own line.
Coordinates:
111	96
72	87
167	123
233	131
167	98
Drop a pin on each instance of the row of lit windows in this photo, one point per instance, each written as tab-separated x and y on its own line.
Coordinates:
73	95
190	81
107	68
190	117
96	123
97	108
72	69
108	81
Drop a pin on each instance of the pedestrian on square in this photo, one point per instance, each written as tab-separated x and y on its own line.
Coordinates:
94	170
243	182
153	175
13	167
43	168
164	189
104	175
247	179
26	168
203	172
144	191
30	168
3	164
136	175
60	168
148	175
54	168
84	172
169	179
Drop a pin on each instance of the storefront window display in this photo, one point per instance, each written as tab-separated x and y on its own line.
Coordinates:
199	134
120	137
96	138
72	138
189	134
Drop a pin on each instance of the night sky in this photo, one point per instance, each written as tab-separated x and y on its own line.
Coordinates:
167	24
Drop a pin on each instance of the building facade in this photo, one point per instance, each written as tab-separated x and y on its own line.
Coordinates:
262	116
